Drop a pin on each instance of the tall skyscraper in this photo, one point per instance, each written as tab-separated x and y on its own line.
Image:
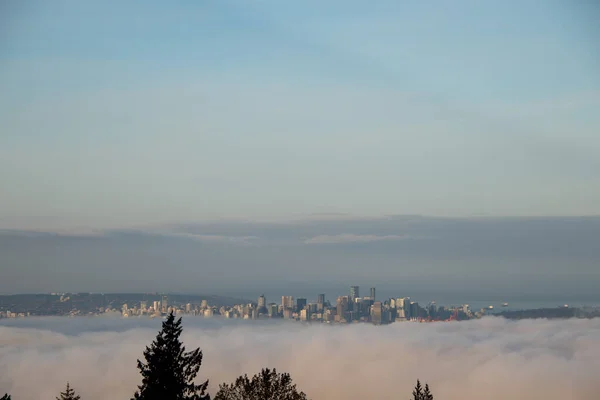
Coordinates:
287	302
354	293
342	307
377	316
321	299
164	304
357	308
373	293
272	310
402	302
414	310
300	304
262	301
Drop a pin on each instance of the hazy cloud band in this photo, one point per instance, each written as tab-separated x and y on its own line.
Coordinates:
491	358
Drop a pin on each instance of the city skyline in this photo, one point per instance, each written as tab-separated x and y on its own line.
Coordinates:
346	309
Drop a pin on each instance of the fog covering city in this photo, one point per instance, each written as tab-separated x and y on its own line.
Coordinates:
491	358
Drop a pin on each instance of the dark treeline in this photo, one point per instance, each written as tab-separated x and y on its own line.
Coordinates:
169	372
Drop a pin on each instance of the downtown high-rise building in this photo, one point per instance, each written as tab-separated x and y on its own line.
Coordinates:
272	310
377	313
287	302
321	298
354	293
402	302
164	304
414	310
300	303
262	301
342	308
373	293
403	308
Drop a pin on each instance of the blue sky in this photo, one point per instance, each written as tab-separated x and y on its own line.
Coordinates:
121	114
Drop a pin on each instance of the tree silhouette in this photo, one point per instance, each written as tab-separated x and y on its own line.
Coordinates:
418	391
5	397
421	394
426	393
266	385
68	394
169	371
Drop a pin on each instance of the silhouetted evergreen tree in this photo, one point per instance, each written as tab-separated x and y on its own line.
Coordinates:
5	397
421	394
426	393
418	391
68	394
169	372
267	385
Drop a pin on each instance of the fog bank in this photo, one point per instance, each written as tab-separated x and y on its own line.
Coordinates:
490	358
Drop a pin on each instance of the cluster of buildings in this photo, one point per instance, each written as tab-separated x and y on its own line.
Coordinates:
9	314
346	309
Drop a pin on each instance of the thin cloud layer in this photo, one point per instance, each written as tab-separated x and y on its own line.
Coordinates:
352	238
559	254
490	358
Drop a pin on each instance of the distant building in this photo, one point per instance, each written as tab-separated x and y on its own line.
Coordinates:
342	308
377	313
354	293
287	302
414	310
357	308
373	293
300	303
164	304
321	299
401	302
304	315
273	310
402	308
262	301
262	305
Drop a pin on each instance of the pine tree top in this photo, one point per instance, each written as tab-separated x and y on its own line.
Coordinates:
68	394
420	393
169	371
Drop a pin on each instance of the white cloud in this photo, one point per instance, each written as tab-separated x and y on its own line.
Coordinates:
491	358
216	238
353	238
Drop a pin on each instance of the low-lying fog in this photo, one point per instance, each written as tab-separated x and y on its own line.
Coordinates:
490	358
